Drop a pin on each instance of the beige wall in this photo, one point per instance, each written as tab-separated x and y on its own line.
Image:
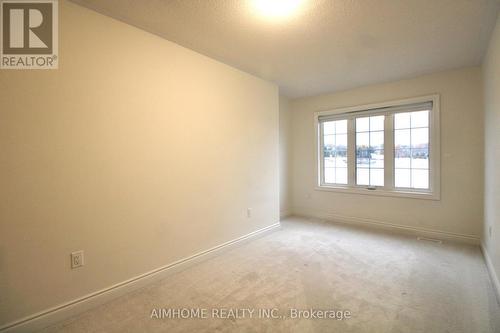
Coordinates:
491	72
285	156
460	209
136	150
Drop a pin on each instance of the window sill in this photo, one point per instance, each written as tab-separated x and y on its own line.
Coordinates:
379	192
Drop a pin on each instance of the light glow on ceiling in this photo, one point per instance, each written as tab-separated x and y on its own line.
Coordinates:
277	9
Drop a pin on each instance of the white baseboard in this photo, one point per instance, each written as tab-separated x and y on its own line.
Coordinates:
429	233
491	269
58	313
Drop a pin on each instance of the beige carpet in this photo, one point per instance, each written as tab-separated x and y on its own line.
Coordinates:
389	282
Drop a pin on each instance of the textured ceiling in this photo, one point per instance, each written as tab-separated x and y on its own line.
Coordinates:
329	45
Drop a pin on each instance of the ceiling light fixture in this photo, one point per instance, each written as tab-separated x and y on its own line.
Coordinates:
277	9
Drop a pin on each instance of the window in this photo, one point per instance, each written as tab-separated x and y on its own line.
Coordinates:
370	151
411	150
384	149
335	151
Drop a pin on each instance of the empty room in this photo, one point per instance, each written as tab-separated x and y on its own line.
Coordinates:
250	166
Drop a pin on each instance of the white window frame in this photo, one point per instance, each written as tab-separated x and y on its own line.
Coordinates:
350	113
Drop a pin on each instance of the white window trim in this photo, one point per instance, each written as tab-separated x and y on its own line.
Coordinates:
434	193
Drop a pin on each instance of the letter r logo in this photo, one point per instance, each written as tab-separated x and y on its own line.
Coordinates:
27	27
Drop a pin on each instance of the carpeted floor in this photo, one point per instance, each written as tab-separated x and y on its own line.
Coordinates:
388	283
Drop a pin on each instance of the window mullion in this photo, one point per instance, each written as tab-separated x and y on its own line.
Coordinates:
389	152
351	152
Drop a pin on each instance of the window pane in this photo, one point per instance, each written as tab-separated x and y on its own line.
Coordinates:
329	140
363	176
411	150
402	120
377	159
363	149
420	159
341	158
335	151
341	141
402	178
420	178
370	150
328	127
402	138
363	139
377	177
377	123
328	151
341	176
363	124
329	162
362	162
377	140
330	175
420	119
420	138
341	126
402	158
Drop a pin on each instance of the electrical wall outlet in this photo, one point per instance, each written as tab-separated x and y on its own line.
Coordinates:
77	259
249	212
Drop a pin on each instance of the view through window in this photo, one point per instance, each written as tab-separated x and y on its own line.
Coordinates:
385	148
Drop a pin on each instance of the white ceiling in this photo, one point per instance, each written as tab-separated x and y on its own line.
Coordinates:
329	45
